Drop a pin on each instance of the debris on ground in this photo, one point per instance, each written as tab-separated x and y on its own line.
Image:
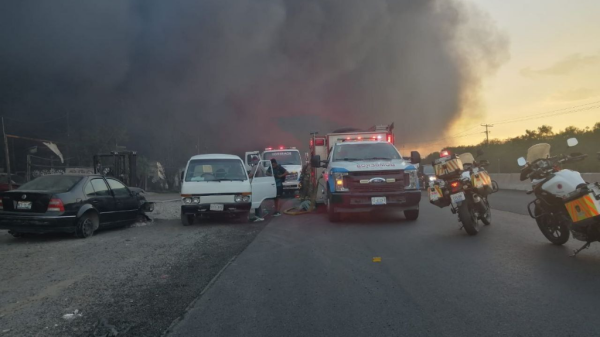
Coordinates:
72	316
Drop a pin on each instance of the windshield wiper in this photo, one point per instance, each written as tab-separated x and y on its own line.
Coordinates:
227	179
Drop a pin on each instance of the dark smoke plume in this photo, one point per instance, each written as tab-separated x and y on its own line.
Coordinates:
243	74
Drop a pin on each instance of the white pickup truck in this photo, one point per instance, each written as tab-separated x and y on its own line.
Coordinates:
288	157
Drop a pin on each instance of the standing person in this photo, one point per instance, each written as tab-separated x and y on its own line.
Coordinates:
279	173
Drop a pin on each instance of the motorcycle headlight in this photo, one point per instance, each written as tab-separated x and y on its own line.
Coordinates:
339	182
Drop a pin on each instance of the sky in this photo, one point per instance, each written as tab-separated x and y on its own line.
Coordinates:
554	64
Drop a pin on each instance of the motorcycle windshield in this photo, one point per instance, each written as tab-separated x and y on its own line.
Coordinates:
466	158
538	151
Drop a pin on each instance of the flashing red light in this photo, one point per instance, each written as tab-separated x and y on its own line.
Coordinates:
311	142
444	153
454	184
374	137
269	149
56	205
347	138
379	137
281	147
389	138
320	142
359	137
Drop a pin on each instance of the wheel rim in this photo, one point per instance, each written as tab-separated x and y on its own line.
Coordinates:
87	227
552	230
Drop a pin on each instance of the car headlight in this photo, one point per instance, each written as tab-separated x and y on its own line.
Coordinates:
196	200
339	182
238	198
247	198
413	179
186	201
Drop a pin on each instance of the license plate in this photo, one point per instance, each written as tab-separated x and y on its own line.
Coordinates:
216	207
24	205
378	201
458	197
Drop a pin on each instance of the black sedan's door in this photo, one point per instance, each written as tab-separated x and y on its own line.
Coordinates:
103	201
127	204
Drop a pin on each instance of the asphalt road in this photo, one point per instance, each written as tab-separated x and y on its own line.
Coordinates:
303	276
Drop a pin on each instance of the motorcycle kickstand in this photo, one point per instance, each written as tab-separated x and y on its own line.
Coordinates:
577	251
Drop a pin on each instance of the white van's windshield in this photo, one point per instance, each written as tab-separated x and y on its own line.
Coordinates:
215	170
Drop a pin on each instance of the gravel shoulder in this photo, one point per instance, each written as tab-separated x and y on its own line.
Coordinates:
131	281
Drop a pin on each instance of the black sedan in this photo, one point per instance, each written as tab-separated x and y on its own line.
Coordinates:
78	204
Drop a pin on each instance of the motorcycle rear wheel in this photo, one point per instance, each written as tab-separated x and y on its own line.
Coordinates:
469	220
555	231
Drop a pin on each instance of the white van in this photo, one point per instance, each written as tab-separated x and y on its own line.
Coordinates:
218	184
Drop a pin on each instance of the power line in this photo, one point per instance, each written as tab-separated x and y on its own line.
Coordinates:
487	133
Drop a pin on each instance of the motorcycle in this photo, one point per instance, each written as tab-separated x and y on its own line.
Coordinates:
565	203
464	185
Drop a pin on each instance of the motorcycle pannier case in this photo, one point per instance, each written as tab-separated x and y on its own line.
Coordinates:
584	205
436	196
482	182
448	167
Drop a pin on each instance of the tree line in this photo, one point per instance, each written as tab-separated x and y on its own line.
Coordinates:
503	154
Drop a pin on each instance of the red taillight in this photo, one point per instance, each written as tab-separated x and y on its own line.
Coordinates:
56	205
455	185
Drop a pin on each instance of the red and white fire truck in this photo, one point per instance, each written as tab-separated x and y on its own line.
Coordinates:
363	171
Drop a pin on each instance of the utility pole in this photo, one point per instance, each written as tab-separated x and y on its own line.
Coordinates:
7	156
487	133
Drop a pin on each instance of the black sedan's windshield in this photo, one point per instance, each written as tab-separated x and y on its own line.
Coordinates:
54	183
370	151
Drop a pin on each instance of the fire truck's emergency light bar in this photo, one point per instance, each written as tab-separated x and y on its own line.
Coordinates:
280	148
364	139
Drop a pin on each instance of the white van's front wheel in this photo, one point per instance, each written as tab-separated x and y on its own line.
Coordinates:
187	219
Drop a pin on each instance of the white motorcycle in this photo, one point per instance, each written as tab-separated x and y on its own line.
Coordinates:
565	204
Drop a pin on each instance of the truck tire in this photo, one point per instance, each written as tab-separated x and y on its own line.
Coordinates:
411	214
332	215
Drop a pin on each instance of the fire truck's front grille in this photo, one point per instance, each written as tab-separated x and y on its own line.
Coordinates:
375	181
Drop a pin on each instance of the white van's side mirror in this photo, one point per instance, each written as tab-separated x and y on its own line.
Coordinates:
521	161
572	142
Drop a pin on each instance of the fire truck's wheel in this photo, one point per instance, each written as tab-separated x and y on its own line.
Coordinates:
411	214
333	216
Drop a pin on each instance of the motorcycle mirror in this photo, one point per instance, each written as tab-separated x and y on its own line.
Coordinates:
521	161
572	142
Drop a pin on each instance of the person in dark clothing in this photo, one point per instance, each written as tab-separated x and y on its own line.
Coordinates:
279	173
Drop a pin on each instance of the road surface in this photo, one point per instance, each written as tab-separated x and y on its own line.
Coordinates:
303	276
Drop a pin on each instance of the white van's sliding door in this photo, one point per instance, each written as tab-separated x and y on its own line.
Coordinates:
263	183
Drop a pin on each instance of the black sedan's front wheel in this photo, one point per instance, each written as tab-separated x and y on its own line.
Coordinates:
86	226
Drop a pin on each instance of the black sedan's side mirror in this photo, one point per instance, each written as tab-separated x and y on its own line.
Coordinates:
315	161
415	157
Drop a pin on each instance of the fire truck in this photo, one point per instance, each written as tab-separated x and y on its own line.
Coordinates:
288	157
363	171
